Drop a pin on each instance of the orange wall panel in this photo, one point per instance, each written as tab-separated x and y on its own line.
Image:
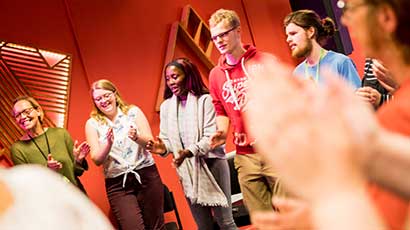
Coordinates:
266	21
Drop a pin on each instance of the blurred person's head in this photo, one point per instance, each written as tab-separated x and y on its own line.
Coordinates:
379	26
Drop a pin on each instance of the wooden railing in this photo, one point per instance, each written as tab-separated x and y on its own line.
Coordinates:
193	31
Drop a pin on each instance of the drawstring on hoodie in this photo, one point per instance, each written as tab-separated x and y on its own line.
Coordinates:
228	79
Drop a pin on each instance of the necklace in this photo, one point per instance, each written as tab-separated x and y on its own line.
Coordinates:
38	147
316	79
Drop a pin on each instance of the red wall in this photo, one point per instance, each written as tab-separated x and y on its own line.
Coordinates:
266	21
125	41
5	162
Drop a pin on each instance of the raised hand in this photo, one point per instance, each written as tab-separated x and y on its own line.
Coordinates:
133	133
384	76
156	146
318	139
369	95
319	131
53	164
81	151
110	137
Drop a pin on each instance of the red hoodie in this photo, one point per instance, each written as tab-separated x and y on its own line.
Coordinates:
230	97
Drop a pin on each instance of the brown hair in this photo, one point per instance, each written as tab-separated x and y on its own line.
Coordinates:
324	28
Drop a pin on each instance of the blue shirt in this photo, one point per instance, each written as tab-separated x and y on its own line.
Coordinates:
336	62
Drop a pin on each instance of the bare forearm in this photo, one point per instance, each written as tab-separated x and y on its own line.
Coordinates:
100	156
390	164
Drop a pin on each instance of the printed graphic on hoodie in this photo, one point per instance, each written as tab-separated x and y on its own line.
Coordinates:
234	92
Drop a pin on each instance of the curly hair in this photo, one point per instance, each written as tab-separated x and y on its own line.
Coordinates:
192	82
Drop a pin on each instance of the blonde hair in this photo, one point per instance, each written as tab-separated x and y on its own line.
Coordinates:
33	103
107	85
222	14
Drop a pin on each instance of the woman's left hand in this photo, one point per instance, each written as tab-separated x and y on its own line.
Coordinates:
133	134
80	151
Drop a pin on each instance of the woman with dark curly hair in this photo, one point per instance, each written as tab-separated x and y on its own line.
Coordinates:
187	121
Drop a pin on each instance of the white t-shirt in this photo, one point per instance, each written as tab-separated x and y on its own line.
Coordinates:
43	200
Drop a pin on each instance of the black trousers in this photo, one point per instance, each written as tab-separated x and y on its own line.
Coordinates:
137	206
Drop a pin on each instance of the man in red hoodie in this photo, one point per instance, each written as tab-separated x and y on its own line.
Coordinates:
228	86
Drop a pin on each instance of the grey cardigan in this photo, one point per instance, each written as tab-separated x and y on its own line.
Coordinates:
206	123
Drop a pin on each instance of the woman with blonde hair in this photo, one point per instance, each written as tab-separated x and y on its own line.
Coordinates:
117	133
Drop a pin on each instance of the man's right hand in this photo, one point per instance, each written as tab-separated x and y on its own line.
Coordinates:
218	139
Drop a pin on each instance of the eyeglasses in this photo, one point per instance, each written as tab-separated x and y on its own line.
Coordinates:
25	112
105	96
223	34
346	7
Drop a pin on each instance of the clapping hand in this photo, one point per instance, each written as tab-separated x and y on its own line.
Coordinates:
133	133
384	76
217	139
81	151
176	162
369	95
156	146
110	136
318	131
53	164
